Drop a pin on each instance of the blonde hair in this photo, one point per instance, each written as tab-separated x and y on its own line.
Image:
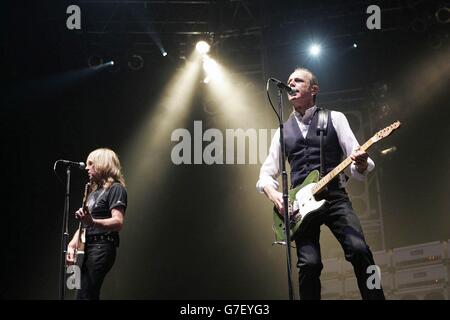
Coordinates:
107	164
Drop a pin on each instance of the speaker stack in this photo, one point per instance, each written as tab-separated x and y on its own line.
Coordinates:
421	271
416	272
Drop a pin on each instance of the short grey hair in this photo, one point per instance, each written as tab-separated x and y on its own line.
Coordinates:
313	76
313	80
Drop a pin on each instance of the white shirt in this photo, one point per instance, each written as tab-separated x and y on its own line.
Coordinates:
270	170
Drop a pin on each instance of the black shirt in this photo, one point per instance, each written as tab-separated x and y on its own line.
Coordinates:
101	202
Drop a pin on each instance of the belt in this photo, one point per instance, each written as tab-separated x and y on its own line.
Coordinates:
100	238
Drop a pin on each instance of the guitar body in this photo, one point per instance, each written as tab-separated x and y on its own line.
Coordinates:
302	205
79	251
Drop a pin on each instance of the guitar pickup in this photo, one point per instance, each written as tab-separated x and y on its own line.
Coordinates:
295	213
295	207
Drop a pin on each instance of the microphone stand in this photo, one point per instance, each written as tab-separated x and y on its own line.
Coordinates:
285	186
285	196
64	239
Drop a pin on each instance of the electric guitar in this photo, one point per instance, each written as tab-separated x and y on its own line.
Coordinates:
79	250
302	203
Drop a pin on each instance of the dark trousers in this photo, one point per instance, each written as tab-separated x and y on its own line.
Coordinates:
339	216
98	260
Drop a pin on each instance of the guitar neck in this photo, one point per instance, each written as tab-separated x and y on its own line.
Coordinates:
341	167
80	229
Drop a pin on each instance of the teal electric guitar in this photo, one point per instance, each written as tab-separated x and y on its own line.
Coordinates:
302	202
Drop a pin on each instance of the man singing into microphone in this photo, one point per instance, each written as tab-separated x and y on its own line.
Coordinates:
103	221
303	153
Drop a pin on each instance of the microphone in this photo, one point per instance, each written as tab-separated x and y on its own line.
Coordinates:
290	91
80	165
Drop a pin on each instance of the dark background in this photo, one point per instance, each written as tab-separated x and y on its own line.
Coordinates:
199	231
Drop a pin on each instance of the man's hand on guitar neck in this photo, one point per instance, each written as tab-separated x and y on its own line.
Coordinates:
359	158
276	197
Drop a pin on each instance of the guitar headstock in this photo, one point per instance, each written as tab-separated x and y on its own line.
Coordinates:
87	191
383	133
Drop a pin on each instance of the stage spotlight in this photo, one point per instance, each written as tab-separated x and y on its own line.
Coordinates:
211	68
136	62
112	65
202	47
162	50
355	45
209	65
314	50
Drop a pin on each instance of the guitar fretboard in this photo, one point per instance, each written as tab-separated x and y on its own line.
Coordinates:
341	167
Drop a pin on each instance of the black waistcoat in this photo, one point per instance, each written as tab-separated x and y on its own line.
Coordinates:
303	154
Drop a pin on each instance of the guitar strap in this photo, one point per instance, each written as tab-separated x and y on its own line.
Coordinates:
322	125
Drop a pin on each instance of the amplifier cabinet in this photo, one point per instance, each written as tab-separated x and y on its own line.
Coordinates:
432	275
417	255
